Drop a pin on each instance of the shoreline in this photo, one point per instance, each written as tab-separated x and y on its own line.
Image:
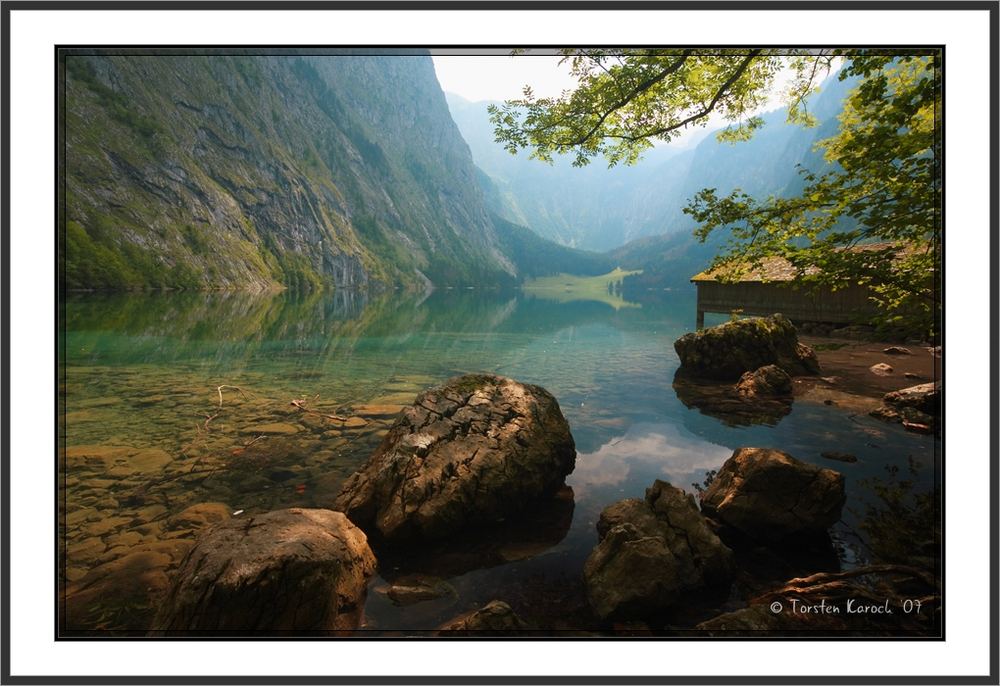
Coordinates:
846	379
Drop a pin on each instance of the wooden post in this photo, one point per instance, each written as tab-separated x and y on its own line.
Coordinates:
700	320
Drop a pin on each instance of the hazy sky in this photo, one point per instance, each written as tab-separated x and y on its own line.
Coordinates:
503	77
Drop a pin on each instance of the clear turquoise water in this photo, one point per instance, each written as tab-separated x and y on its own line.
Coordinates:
143	371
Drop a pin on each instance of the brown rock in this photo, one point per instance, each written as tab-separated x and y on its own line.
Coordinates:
288	570
897	350
924	397
478	449
415	589
916	407
769	495
496	618
770	381
881	369
651	553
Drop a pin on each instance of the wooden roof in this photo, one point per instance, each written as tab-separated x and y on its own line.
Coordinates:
775	268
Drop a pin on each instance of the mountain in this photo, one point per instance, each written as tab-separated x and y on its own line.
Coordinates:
250	171
766	164
584	207
603	209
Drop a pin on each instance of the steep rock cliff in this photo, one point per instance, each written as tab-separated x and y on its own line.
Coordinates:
247	171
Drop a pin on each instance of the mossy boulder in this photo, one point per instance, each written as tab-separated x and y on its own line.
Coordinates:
727	351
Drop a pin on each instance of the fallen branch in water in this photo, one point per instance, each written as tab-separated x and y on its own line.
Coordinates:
301	405
235	388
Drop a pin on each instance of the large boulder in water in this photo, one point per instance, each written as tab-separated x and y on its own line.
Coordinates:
478	449
729	350
769	495
651	553
288	570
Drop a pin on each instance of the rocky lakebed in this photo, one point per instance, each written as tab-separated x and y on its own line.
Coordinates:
447	507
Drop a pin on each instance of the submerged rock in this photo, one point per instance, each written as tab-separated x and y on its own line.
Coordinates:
837	456
496	618
652	552
762	396
726	351
769	495
476	450
129	588
769	381
417	588
288	570
199	516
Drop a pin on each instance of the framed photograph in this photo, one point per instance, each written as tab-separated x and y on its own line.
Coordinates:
500	343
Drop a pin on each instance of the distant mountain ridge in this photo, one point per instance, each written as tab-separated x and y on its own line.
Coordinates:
599	209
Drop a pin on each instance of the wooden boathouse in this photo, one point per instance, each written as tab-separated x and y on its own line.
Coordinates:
773	287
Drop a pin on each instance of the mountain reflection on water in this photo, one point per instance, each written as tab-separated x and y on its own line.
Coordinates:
143	373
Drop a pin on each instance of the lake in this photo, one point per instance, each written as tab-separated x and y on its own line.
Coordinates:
180	399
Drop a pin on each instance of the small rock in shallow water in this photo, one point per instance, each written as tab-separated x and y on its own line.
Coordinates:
897	350
881	369
917	406
839	457
415	589
496	618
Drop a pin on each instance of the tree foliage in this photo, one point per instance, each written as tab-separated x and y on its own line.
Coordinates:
871	218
